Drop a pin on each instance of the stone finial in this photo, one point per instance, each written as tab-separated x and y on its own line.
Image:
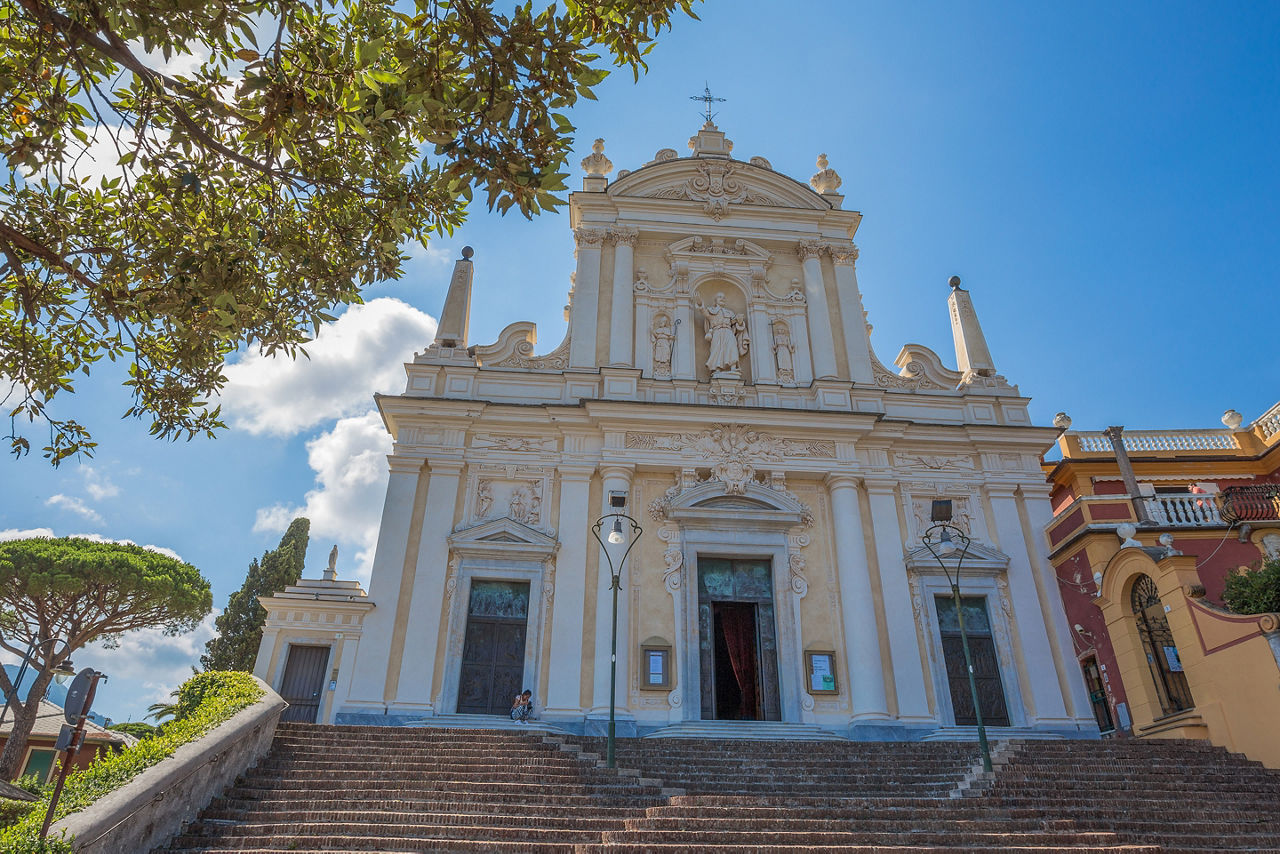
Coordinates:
1062	421
596	164
1232	419
1126	532
826	181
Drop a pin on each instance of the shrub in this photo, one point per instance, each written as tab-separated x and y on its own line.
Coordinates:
1254	591
12	811
219	696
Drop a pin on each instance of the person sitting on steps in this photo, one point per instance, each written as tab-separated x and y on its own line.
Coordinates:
522	708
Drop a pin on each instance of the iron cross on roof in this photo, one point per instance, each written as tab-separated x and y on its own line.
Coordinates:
707	99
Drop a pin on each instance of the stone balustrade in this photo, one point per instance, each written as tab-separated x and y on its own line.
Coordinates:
1269	424
1159	441
1184	510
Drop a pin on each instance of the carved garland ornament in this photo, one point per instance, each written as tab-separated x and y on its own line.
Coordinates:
735	450
717	186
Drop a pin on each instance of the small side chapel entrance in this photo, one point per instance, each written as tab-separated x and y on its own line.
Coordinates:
493	652
737	640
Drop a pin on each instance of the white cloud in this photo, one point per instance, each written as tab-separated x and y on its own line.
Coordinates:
351	481
177	65
144	668
99	486
75	505
434	255
24	533
360	353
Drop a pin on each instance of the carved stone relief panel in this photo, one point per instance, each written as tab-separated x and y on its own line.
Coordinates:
511	491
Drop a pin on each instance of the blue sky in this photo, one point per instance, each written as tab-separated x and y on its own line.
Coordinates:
1103	177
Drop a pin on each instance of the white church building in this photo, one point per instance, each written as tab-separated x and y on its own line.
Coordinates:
717	384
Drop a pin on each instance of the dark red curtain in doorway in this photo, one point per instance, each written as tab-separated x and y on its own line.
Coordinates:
739	627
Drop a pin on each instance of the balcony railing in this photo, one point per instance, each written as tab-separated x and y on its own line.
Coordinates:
1162	440
1184	511
1260	503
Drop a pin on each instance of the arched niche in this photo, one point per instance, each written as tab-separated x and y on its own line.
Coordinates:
737	299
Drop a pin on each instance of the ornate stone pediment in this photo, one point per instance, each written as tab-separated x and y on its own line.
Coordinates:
979	560
743	250
505	537
718	184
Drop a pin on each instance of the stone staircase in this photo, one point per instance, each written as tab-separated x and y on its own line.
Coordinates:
398	790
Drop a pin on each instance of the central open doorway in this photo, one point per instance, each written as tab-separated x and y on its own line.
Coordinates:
737	640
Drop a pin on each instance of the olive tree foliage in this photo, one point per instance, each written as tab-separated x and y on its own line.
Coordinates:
56	595
253	195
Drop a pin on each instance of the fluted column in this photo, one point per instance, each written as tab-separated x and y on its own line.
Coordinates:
417	667
565	677
621	352
369	683
904	643
584	316
857	343
857	605
821	341
616	479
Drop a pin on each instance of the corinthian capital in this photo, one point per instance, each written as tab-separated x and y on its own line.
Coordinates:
843	256
589	237
807	249
623	235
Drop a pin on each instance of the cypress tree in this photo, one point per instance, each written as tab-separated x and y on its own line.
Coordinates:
240	626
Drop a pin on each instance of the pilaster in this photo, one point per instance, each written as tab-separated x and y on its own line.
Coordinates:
904	643
1030	616
369	680
821	341
857	342
565	664
621	351
585	311
857	605
417	666
616	478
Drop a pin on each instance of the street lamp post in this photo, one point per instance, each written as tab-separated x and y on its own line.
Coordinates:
941	548
616	537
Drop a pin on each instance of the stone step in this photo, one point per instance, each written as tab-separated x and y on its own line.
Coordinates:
747	730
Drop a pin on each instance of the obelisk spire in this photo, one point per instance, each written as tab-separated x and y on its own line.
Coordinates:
456	317
972	356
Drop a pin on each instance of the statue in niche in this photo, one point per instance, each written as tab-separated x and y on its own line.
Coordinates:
664	340
484	498
727	333
784	351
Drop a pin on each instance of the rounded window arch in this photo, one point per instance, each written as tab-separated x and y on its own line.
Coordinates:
1159	647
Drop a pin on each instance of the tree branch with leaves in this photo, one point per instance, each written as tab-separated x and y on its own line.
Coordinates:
250	198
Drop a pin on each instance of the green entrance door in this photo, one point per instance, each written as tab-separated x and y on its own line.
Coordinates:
493	654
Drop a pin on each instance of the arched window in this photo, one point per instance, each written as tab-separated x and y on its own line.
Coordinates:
1161	651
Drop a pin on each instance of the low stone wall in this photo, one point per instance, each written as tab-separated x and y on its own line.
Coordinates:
151	808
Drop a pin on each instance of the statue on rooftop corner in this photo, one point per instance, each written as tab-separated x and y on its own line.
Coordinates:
727	333
333	558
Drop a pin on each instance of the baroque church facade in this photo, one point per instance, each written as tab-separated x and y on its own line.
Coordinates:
717	384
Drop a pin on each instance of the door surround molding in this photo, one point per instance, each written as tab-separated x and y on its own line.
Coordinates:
500	550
